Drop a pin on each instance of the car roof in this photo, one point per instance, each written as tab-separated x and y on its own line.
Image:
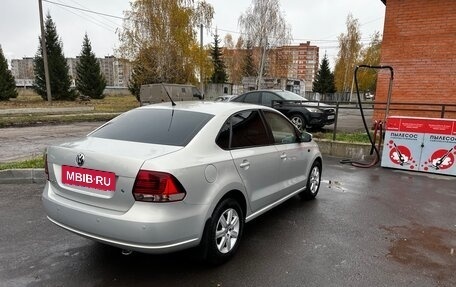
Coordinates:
208	107
265	90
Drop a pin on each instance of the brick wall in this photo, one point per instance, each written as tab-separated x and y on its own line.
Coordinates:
419	42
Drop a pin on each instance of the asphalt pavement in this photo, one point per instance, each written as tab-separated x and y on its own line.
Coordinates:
367	227
26	142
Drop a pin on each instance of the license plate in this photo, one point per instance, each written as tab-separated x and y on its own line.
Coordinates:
90	178
330	117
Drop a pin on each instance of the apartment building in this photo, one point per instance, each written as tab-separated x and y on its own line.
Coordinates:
23	71
121	72
117	72
297	62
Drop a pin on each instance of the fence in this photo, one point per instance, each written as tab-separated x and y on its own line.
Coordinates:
334	97
380	109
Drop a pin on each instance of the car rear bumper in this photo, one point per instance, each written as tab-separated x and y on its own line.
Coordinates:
145	227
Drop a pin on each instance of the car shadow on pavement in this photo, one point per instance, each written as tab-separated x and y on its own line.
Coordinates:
109	267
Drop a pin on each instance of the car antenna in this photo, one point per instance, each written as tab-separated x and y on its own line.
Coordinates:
169	96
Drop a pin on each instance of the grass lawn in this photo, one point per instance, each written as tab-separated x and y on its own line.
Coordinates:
111	103
357	137
111	106
37	162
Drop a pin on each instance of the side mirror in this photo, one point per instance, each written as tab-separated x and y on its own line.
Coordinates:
306	137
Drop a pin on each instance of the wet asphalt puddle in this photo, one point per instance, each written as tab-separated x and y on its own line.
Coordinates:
430	250
334	185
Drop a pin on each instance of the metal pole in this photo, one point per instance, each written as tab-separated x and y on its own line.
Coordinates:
201	60
351	89
335	122
263	59
442	113
43	47
388	100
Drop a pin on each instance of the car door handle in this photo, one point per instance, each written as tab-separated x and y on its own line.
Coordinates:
283	156
245	164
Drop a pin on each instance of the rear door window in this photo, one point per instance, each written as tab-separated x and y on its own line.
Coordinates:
155	126
268	97
239	99
248	130
252	98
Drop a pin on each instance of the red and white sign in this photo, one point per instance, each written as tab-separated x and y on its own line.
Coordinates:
402	150
424	144
90	178
421	125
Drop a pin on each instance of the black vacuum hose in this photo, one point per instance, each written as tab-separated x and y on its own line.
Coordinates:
378	124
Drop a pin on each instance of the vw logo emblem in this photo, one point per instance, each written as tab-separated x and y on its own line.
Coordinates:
80	159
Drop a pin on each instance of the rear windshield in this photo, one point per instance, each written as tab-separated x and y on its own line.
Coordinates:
155	126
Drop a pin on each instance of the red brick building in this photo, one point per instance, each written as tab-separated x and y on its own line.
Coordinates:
419	42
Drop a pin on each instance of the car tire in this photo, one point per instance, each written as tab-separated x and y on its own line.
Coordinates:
223	232
313	182
299	121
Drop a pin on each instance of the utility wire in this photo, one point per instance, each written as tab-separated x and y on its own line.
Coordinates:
214	29
99	24
102	17
293	40
85	10
87	16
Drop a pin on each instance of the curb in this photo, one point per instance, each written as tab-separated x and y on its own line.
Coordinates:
45	110
27	175
356	151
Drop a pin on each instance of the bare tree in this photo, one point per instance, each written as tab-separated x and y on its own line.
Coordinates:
265	26
233	55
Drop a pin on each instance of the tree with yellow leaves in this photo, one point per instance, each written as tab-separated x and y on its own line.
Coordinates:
159	37
348	56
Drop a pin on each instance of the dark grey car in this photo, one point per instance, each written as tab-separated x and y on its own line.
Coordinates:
298	109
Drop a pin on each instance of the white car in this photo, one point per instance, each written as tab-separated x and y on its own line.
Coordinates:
161	178
225	98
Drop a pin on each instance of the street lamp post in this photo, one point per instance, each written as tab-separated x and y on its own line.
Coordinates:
43	48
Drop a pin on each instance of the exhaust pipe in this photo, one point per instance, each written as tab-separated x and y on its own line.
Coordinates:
126	252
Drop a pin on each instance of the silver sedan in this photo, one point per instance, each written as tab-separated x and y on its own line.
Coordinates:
162	178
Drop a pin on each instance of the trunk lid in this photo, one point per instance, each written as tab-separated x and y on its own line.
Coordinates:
107	174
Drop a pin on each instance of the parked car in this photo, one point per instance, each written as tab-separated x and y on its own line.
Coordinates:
298	109
225	98
199	173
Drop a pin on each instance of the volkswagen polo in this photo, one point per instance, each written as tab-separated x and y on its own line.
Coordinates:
164	177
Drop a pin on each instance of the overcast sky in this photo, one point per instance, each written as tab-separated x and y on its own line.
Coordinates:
318	21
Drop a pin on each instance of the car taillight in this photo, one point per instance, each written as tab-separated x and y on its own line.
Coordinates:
156	186
46	169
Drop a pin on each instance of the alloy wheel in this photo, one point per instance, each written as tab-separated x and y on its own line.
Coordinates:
314	180
227	230
297	121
